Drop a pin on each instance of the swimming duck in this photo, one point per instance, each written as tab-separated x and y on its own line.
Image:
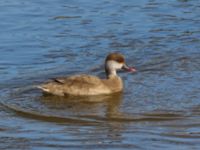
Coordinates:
80	85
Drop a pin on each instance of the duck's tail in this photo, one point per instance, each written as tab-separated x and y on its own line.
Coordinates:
43	88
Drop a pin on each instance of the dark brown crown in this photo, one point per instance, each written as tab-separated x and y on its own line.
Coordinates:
116	57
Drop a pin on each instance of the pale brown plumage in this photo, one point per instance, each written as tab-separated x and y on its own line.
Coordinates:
80	85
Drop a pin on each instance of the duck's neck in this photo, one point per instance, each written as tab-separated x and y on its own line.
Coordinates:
114	82
111	73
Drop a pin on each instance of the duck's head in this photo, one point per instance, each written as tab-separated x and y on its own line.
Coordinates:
114	62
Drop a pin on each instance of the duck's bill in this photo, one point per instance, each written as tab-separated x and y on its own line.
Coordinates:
129	69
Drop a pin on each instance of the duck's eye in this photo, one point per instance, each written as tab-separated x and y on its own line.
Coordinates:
120	60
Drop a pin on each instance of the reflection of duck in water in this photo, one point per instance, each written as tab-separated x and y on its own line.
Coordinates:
90	85
99	106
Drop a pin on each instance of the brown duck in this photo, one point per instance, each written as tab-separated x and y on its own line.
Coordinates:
80	85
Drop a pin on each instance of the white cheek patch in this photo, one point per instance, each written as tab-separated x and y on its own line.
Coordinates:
113	64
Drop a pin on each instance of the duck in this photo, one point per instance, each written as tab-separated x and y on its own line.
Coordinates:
86	85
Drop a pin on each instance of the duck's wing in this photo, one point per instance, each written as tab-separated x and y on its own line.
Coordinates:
79	80
60	80
76	85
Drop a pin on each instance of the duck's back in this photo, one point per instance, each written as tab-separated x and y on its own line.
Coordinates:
79	80
76	85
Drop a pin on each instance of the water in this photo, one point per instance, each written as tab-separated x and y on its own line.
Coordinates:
160	106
